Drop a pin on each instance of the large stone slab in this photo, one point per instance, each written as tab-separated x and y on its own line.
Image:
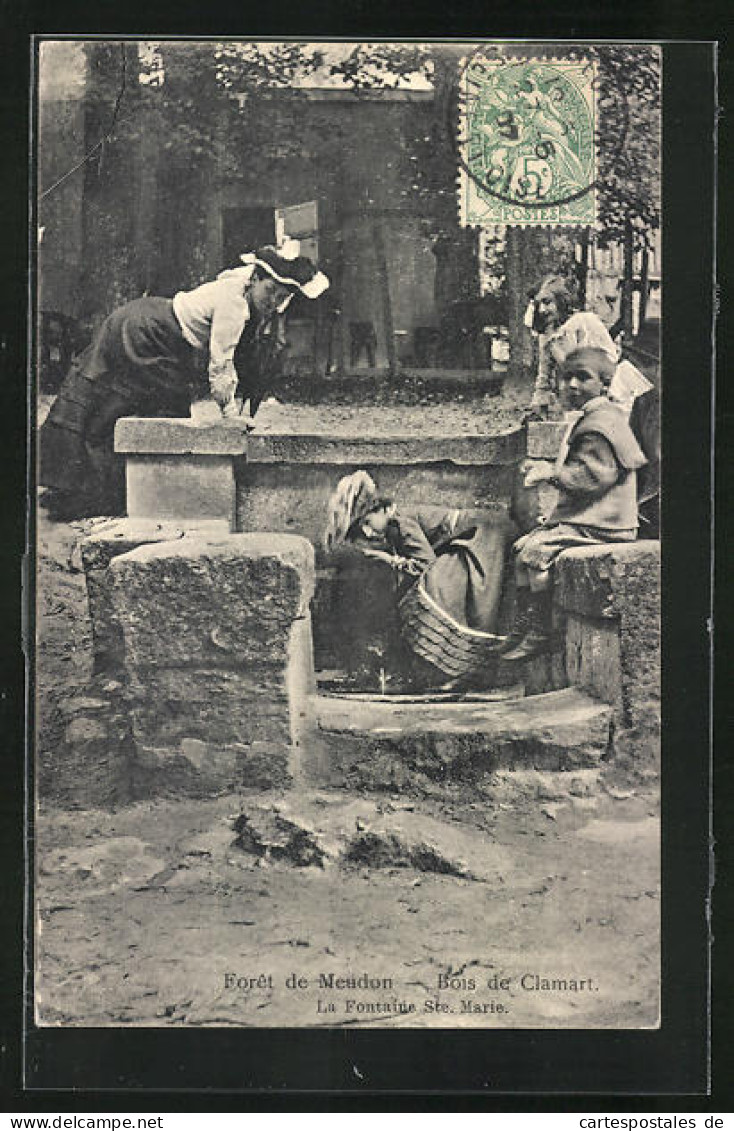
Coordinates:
213	602
146	435
218	661
379	744
297	448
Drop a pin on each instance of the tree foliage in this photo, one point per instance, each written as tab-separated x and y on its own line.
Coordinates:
210	113
628	141
218	103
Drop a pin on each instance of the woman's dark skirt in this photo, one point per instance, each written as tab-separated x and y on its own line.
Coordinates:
139	364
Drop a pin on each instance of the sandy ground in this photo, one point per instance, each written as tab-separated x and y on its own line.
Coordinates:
151	915
461	415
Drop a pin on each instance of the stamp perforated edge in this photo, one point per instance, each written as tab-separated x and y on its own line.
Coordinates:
480	208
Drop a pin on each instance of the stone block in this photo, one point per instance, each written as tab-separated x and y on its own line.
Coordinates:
592	656
195	768
120	535
181	487
294	498
217	603
219	706
218	660
145	435
610	580
503	449
544	438
116	537
618	583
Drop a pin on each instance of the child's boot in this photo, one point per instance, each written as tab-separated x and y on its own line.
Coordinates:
538	637
520	623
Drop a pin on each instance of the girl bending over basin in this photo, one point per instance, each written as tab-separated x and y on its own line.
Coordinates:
447	568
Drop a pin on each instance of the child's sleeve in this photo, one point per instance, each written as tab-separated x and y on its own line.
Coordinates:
590	468
414	543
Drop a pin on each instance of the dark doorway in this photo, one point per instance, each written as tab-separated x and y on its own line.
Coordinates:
244	229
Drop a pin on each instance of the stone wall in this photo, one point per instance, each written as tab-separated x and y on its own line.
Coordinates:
179	471
284	482
610	598
606	598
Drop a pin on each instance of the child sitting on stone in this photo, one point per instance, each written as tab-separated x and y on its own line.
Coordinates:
595	474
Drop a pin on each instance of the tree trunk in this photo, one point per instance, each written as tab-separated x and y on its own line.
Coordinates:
532	253
517	301
383	283
644	287
628	281
583	268
145	173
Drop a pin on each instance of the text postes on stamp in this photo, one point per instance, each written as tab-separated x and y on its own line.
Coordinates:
527	153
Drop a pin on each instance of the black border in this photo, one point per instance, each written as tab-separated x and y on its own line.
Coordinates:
606	1065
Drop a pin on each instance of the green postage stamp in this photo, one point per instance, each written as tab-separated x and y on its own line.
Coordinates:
527	141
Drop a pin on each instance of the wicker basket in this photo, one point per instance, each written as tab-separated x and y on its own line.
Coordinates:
435	636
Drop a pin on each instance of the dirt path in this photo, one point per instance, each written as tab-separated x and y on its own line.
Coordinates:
152	916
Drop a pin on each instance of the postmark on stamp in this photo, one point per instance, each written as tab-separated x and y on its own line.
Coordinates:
527	153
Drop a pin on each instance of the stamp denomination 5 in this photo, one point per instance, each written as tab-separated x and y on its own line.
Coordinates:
527	141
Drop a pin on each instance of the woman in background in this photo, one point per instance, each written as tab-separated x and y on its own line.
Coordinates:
561	330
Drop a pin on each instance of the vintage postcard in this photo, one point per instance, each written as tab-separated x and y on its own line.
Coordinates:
347	639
